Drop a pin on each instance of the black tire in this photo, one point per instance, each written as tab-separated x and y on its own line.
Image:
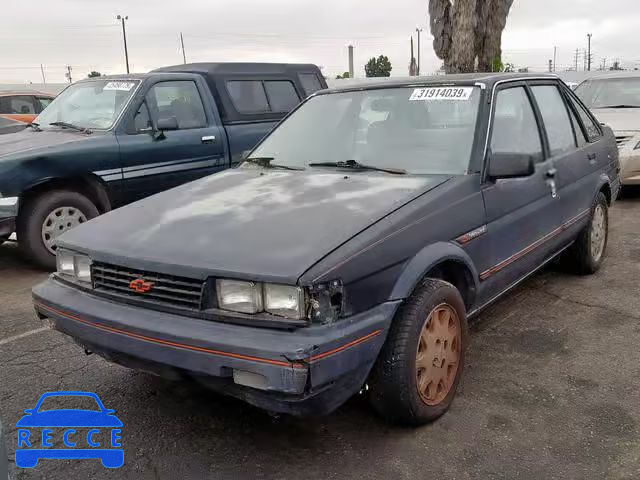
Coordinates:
32	216
580	257
394	379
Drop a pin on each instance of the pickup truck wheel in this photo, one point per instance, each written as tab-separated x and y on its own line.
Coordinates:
587	253
417	373
46	217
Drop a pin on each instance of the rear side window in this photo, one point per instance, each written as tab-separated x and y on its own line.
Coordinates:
515	129
256	96
593	130
556	118
282	96
310	83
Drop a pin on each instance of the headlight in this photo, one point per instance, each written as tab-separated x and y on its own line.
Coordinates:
284	300
244	297
73	265
251	297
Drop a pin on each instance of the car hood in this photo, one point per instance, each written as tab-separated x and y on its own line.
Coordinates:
269	225
28	141
69	418
619	119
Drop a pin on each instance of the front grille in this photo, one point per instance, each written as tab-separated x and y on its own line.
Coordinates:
166	289
622	140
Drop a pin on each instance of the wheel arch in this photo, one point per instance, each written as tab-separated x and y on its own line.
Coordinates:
89	185
442	260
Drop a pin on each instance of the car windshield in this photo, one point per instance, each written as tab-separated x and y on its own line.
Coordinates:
69	402
92	105
426	130
610	93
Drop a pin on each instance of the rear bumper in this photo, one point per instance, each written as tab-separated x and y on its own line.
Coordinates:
305	371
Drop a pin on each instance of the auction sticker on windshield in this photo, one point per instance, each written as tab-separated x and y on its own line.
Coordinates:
124	86
441	93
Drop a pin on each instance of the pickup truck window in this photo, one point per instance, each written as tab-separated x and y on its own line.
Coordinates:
21	104
282	96
94	104
556	119
42	103
514	125
256	96
179	99
388	128
310	83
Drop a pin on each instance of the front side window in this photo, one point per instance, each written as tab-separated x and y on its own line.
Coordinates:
94	104
610	93
180	100
555	118
21	105
515	129
390	127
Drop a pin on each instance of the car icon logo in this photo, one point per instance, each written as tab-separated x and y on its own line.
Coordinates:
139	285
36	431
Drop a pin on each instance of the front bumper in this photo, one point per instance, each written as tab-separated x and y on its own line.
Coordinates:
8	214
306	371
630	165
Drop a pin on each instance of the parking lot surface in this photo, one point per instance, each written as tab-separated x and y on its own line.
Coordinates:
551	390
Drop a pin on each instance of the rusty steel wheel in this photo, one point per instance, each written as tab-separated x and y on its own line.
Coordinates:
438	354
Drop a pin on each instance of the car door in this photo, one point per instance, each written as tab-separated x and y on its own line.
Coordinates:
154	161
521	213
574	160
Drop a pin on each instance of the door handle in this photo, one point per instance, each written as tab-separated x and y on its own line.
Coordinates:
551	173
209	139
591	157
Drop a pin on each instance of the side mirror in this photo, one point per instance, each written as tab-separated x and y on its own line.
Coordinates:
511	165
167	123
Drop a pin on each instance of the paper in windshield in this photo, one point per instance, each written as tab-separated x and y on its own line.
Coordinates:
441	93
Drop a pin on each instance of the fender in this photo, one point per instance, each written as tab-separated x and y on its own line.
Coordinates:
604	180
425	260
93	183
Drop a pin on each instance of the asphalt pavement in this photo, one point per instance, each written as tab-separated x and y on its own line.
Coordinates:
551	391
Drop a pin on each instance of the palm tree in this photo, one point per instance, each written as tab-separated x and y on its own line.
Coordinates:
467	34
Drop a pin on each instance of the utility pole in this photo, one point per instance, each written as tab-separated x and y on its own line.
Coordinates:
184	55
68	74
44	80
351	72
576	58
584	60
555	53
419	30
589	51
550	65
123	19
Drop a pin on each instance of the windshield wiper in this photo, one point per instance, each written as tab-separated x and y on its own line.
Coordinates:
35	126
352	164
70	125
265	162
623	105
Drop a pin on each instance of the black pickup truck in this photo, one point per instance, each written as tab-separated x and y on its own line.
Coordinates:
108	141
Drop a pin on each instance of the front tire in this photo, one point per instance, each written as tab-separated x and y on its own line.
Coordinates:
417	373
44	218
586	255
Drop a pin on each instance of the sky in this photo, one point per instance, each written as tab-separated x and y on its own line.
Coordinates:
86	35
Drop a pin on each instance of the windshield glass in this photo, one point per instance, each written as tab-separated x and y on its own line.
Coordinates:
94	105
610	92
421	130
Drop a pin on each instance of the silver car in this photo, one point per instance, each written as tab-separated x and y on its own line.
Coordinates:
615	100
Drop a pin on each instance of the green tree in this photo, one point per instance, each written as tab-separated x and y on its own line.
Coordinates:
93	74
378	67
468	32
344	75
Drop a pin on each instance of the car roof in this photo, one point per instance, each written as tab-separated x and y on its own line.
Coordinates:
489	79
10	93
238	68
613	75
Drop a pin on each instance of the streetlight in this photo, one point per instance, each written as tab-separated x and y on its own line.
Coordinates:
123	18
419	30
